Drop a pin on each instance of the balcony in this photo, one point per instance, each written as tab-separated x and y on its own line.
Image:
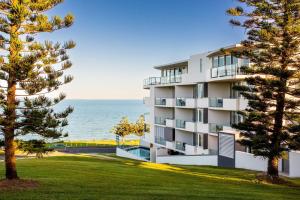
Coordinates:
165	102
227	71
185	102
160	121
187	126
215	128
228	104
165	80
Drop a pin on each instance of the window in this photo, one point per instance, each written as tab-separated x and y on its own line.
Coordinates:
200	65
228	60
234	60
199	140
215	62
200	90
200	115
221	61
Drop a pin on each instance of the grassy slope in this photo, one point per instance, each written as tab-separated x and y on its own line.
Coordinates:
95	178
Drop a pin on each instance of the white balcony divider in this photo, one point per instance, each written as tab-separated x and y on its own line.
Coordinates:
202	128
195	150
190	103
190	126
203	103
170	102
170	145
170	123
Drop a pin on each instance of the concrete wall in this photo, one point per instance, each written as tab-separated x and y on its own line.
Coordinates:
184	114
218	117
184	91
189	160
164	92
219	89
163	112
194	73
184	136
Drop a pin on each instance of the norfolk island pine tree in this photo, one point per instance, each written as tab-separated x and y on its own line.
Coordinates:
29	71
271	123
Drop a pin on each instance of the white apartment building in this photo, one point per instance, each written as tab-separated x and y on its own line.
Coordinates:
192	106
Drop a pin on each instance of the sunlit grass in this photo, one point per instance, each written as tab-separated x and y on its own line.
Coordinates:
105	177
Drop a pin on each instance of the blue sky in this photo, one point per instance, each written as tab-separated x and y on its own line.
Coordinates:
119	41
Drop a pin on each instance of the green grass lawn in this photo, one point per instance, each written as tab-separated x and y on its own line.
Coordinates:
99	178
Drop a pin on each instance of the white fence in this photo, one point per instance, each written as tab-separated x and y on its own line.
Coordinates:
189	160
249	161
294	159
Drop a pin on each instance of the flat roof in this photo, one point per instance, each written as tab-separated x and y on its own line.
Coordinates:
172	65
220	51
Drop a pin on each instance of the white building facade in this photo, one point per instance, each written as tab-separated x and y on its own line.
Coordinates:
192	106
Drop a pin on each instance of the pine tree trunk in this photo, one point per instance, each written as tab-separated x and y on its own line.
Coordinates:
273	168
10	159
9	128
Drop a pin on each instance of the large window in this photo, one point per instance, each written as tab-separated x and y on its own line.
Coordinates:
215	62
221	61
228	59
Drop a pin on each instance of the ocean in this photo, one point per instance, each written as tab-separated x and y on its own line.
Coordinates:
94	119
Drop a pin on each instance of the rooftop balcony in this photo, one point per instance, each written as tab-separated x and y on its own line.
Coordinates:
162	81
227	72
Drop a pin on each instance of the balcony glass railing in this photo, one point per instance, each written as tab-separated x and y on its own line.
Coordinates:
160	101
180	146
160	140
216	102
160	120
162	80
228	70
215	128
180	123
180	101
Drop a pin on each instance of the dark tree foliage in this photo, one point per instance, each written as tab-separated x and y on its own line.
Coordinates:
271	126
29	71
38	147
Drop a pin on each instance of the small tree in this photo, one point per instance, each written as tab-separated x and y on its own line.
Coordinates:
29	70
140	127
271	126
38	147
123	128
